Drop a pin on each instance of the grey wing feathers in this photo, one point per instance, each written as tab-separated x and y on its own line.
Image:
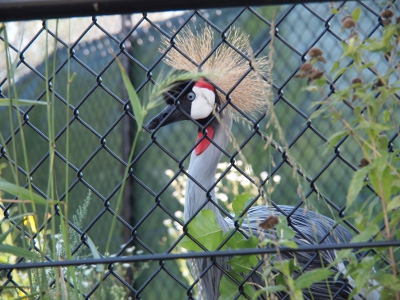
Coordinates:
310	228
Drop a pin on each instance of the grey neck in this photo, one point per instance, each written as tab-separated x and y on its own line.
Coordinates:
203	167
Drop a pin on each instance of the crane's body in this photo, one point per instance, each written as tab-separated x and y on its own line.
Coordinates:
200	102
311	228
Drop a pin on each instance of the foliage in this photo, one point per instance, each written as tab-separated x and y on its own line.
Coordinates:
49	283
373	126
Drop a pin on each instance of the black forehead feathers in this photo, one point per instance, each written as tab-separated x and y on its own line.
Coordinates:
178	89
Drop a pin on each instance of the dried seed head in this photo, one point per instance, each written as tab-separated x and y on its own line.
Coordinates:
321	59
378	83
357	81
348	23
387	13
386	22
315	52
306	67
346	17
315	74
269	222
301	75
363	162
398	20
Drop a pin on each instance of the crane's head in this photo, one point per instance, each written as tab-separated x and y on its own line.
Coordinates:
185	101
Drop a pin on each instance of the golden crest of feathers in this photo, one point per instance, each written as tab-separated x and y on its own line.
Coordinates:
225	66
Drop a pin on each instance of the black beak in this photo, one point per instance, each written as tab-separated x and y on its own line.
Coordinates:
173	113
168	115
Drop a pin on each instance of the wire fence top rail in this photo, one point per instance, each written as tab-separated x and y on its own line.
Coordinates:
18	10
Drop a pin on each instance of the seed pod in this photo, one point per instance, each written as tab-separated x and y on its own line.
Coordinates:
346	17
315	74
269	222
300	75
321	59
387	13
357	80
348	23
363	162
378	83
386	22
315	52
306	67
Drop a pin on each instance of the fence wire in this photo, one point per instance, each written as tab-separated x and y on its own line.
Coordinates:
95	123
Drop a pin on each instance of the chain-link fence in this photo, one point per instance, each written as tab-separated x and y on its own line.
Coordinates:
94	130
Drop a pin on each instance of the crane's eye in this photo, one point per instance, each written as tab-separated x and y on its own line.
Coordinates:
191	96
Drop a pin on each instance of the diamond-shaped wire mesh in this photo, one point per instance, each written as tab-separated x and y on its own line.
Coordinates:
93	114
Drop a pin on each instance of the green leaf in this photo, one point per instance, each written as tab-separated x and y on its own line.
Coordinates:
250	243
282	229
388	34
138	111
269	289
366	234
17	251
394	203
366	125
366	66
386	116
240	203
242	263
287	267
335	66
390	281
340	72
280	279
289	244
22	193
228	289
383	145
20	102
356	14
356	185
311	277
381	181
94	252
234	240
205	229
320	82
336	137
4	235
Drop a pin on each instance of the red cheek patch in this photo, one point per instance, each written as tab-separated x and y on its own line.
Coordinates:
203	145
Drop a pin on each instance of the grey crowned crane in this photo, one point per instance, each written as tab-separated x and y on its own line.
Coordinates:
200	102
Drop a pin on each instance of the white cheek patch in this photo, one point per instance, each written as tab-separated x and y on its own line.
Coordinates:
203	104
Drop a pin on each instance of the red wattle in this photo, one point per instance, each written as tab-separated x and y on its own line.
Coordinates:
203	145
